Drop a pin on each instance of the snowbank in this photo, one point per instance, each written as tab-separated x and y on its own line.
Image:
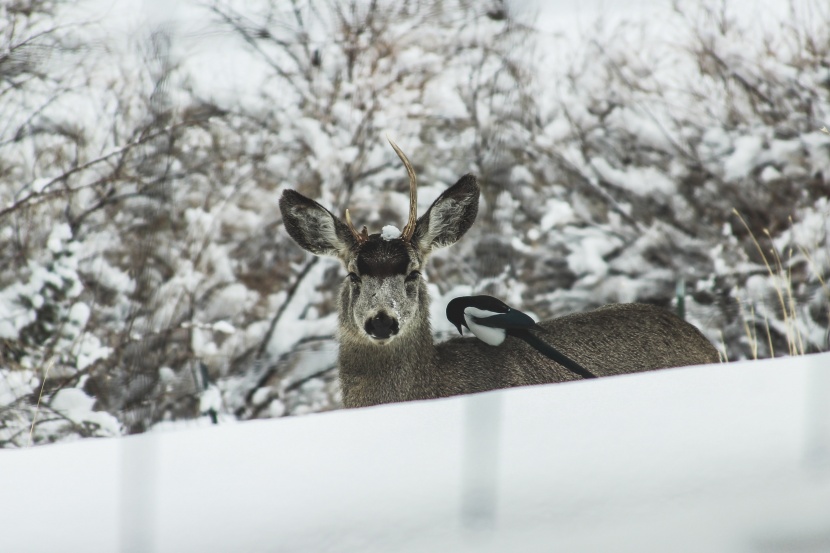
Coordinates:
732	457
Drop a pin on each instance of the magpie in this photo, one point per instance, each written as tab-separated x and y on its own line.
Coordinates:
491	321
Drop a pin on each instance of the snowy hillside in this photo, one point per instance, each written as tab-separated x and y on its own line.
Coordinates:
625	151
727	458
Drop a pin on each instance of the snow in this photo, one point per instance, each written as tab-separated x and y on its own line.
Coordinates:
19	300
17	384
88	349
557	214
224	327
261	395
60	234
770	173
588	248
79	314
390	232
645	181
210	400
276	408
71	400
230	301
292	326
76	405
745	157
717	458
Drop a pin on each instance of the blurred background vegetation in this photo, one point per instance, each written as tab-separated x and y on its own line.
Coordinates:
146	280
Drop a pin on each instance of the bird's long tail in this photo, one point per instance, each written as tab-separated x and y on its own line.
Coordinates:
549	351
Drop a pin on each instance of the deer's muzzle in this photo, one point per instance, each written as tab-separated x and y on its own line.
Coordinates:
381	326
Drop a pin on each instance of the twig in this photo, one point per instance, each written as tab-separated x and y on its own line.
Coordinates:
45	193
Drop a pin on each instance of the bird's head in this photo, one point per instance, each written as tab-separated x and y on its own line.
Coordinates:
481	306
455	312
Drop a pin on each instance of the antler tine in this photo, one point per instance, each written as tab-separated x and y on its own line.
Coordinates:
409	229
359	237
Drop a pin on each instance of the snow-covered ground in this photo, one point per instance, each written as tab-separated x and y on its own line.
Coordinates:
732	458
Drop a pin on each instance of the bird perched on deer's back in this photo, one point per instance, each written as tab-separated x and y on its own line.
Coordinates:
491	321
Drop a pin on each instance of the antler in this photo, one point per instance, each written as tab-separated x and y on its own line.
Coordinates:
360	237
409	229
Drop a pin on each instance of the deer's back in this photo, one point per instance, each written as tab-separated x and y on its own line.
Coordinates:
615	339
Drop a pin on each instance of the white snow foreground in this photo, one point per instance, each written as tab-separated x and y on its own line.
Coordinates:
718	458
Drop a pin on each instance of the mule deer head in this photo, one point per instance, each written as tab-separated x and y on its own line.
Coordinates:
383	297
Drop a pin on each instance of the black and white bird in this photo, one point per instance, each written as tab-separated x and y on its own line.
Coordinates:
492	321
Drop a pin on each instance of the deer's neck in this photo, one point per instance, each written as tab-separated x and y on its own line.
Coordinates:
401	370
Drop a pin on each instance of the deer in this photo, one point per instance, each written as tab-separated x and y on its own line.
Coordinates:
386	349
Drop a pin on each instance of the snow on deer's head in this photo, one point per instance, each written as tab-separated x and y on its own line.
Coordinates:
383	297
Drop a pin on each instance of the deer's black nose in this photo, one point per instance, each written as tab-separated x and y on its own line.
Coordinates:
381	326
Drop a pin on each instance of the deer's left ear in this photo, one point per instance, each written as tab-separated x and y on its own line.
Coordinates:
449	217
314	228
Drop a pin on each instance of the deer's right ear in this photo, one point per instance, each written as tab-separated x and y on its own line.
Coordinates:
314	228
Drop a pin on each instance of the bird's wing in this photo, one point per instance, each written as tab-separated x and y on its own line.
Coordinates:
511	319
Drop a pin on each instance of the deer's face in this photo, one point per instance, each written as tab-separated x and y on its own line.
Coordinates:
383	296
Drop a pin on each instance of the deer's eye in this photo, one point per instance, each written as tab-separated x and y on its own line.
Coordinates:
354	278
413	276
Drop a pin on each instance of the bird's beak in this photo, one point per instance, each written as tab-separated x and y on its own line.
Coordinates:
459	329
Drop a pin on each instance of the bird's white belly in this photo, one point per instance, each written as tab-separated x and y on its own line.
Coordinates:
487	334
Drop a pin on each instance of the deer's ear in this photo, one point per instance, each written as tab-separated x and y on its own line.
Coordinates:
449	217
314	228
